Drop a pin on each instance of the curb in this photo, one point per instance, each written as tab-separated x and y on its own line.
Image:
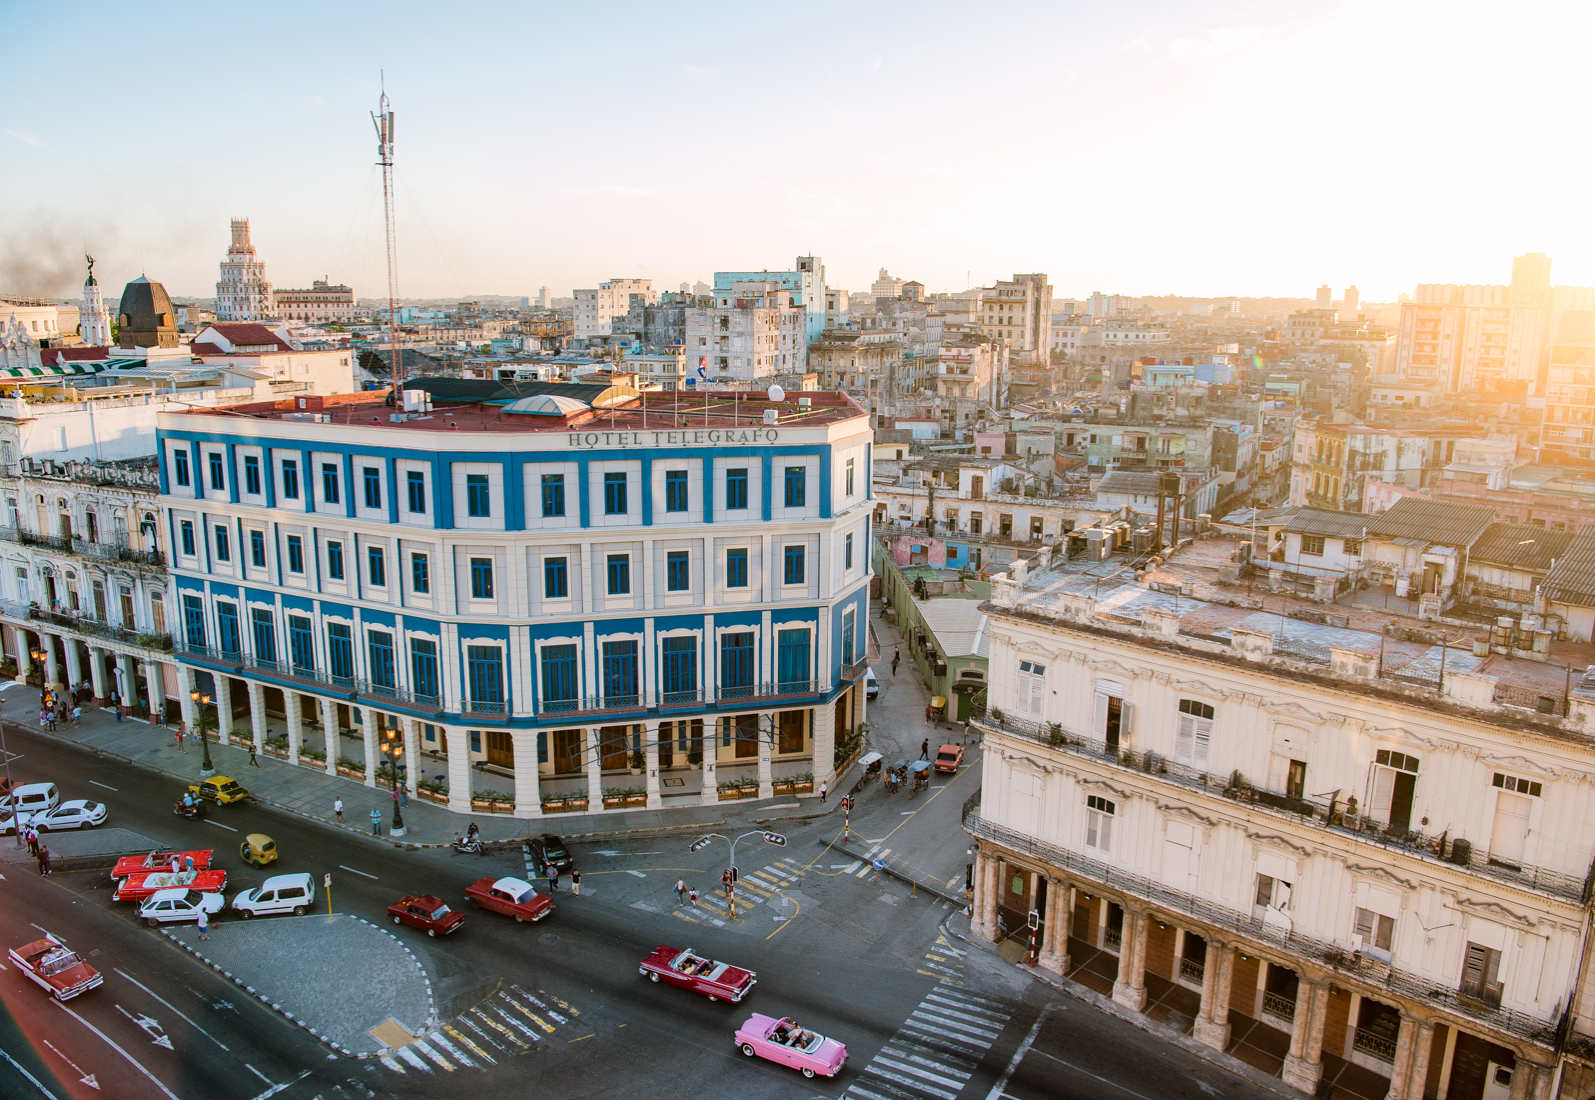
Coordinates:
432	1011
887	868
520	840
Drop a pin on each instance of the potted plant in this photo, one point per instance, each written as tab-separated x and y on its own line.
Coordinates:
432	790
614	798
493	802
350	769
277	746
1055	734
636	761
996	715
803	782
695	757
315	755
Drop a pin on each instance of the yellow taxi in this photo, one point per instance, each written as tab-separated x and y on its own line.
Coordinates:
219	788
259	849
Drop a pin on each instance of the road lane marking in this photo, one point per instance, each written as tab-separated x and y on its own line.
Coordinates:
579	1038
87	1078
30	1077
420	1044
257	1073
904	1067
180	1016
465	1040
150	1027
451	1049
639	874
414	1059
352	871
219	825
97	783
391	1064
918	1086
908	813
156	1081
275	1089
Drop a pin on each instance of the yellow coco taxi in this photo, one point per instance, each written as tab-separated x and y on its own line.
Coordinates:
219	788
259	849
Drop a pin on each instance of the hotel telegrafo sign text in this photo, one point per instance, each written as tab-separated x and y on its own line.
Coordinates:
681	437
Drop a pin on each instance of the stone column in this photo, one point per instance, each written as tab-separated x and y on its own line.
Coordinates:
711	746
329	732
528	797
128	667
157	687
96	673
1218	973
766	750
1537	1080
1401	1066
293	713
368	724
977	908
52	662
824	745
1303	1066
459	746
24	659
1421	1052
595	771
1130	988
257	712
650	766
412	755
224	707
74	666
1050	958
985	915
186	702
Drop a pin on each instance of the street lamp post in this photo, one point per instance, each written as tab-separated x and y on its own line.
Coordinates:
703	841
393	749
40	656
206	768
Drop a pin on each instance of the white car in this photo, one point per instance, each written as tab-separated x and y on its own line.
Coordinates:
872	686
279	894
79	813
30	798
178	904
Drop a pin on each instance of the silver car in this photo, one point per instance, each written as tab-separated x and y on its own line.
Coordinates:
78	813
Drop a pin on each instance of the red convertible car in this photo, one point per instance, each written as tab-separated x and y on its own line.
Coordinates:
56	968
783	1041
160	861
140	885
511	896
426	911
715	980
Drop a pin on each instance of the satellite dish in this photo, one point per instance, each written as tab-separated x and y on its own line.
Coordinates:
776	393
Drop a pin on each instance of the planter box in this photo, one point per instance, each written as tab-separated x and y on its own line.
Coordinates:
352	773
482	805
565	806
806	787
614	803
782	788
636	800
732	794
311	762
432	796
280	754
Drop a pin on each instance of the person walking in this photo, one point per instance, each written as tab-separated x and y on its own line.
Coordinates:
575	880
178	732
822	792
253	763
553	878
681	889
693	896
116	706
376	822
924	749
404	796
204	924
44	859
897	659
77	714
337	809
32	836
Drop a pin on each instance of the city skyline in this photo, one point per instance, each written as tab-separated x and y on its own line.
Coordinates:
1134	142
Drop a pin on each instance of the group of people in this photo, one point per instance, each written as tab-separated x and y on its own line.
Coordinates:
37	848
56	711
553	879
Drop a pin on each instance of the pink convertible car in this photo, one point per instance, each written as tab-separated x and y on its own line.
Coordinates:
784	1041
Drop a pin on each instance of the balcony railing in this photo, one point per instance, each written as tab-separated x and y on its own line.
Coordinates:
1213	914
669	700
1329	815
785	689
1193	971
481	708
590	705
1279	1006
851	672
210	654
1374	1045
85	624
118	553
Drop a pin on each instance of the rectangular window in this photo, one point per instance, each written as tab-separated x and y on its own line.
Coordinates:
340	652
420	575
736	665
415	486
559	677
296	554
380	645
792	660
614	494
290	479
850	477
264	630
681	670
185	528
482	579
224	549
792	572
1312	544
372	478
251	474
1032	687
556	579
194	621
1377	930
620	673
847	552
218	472
553	494
1521	786
329	482
1481	969
257	549
485	668
478	501
796	487
849	637
335	561
1194	733
301	644
1099	823
736	568
736	489
675	490
180	467
678	571
619	574
376	567
227	627
424	668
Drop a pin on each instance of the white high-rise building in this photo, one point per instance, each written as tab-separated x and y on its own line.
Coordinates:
94	324
242	292
1325	297
597	309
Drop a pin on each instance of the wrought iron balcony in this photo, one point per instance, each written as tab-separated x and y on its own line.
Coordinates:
590	705
480	708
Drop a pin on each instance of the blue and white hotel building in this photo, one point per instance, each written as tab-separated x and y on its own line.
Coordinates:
550	595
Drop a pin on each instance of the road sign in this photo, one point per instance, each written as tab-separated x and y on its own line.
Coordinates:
326	880
775	838
879	865
1035	919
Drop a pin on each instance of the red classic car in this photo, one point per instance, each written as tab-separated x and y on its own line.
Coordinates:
715	980
511	896
949	758
161	861
426	911
56	968
783	1041
140	885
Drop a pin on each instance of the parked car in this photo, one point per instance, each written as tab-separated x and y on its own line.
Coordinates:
55	968
179	904
428	912
511	896
949	758
259	849
278	894
547	849
143	884
783	1041
78	813
31	798
716	980
161	861
220	789
872	686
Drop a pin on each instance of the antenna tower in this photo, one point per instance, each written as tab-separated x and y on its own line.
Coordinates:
382	119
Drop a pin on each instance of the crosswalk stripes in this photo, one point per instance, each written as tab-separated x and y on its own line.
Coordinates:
753	888
506	1022
868	862
938	1048
944	960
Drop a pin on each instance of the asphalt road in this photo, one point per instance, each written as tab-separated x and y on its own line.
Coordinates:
558	1005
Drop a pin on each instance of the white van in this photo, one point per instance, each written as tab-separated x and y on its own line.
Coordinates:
31	798
279	894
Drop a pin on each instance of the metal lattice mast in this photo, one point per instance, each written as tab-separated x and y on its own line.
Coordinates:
383	121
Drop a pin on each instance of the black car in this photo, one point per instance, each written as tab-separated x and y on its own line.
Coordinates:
547	849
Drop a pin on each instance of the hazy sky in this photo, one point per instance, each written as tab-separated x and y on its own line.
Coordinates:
1188	147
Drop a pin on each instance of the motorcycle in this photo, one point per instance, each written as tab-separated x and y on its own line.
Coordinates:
192	811
470	845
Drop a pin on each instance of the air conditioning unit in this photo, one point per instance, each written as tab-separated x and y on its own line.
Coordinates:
804	402
772	416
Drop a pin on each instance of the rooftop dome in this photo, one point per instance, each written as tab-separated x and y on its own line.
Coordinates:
546	404
147	318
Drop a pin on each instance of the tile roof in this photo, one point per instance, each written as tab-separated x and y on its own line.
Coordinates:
1572	579
1322	521
1124	481
248	334
959	625
1432	521
1520	546
53	356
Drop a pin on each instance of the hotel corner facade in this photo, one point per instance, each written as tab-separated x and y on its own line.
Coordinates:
550	606
1313	861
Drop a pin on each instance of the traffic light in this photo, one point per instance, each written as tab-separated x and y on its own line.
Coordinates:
701	842
776	839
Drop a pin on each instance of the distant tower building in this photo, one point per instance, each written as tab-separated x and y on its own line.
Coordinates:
1349	306
1531	279
886	286
242	292
148	319
94	325
542	298
1326	297
1234	307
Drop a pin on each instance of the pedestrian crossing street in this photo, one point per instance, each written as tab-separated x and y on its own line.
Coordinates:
509	1022
763	886
939	1047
